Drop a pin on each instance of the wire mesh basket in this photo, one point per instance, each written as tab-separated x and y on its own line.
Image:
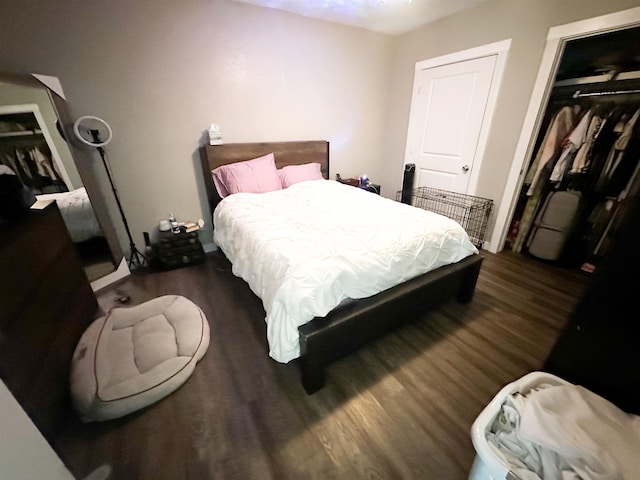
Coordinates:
472	213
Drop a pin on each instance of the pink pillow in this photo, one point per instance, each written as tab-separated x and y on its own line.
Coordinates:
299	173
252	176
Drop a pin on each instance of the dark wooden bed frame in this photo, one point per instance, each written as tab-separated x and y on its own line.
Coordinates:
354	322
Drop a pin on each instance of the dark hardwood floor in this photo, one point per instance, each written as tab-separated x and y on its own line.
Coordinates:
401	407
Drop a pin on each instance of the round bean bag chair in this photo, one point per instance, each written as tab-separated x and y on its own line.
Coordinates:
136	356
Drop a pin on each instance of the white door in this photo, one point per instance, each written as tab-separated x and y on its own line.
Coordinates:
447	114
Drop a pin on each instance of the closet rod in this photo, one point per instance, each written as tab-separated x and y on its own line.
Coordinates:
577	94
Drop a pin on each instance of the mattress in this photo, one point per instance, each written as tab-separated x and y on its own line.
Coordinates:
77	213
305	249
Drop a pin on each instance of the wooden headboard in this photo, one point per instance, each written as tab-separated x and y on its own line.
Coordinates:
286	153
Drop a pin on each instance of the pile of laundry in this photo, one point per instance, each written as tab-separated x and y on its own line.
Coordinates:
566	432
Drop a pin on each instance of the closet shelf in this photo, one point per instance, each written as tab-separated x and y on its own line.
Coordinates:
606	77
21	134
579	93
619	90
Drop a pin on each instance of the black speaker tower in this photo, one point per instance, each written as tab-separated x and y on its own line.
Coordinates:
407	183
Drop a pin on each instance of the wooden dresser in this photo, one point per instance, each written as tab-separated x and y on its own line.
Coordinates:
46	303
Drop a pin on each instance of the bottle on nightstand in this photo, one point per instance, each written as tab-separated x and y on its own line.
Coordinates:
175	228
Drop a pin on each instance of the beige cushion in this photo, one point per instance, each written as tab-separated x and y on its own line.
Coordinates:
135	356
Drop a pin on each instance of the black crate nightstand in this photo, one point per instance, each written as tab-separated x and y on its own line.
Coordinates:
175	250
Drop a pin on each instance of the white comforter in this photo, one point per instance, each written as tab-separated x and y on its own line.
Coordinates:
306	248
77	213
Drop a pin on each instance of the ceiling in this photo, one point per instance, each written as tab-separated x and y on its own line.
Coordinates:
385	16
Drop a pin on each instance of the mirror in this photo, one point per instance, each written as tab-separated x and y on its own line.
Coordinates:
34	122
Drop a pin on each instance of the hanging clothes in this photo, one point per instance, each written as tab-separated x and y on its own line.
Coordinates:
572	147
582	160
561	125
25	165
609	132
34	169
619	165
46	166
29	155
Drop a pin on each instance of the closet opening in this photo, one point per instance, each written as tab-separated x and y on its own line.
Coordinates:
584	169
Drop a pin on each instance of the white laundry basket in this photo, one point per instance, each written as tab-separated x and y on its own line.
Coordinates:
488	465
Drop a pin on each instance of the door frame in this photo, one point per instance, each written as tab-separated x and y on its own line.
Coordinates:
501	50
556	39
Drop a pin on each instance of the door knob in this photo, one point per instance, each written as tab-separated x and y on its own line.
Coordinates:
466	168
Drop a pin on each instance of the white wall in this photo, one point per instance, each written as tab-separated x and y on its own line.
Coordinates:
527	23
161	71
24	453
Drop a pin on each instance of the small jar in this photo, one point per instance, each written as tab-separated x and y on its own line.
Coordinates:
175	228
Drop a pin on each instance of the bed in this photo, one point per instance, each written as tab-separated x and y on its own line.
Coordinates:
77	213
334	331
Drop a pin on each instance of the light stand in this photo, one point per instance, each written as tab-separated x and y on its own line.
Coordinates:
136	258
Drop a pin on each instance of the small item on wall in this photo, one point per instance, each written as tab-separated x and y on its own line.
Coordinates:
215	135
